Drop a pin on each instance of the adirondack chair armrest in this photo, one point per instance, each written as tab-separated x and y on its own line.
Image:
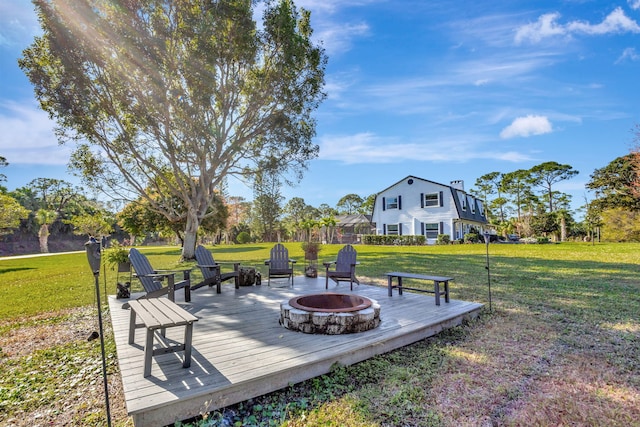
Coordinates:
293	261
154	275
329	263
267	262
186	273
208	266
236	264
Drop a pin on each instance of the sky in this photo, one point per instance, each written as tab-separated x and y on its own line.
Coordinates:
441	90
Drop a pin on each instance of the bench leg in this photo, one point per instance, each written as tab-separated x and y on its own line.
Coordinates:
148	352
399	285
187	289
187	345
446	291
389	284
172	289
132	326
436	286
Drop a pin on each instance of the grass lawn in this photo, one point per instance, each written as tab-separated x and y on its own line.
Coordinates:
560	347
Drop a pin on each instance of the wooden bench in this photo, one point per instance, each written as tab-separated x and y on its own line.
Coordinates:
159	314
437	280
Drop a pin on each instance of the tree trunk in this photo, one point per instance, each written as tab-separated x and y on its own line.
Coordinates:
563	229
43	236
190	237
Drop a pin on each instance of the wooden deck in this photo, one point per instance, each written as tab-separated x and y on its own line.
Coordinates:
240	350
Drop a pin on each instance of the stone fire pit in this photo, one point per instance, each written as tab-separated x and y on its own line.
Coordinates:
330	313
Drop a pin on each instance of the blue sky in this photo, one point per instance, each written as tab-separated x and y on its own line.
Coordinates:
443	90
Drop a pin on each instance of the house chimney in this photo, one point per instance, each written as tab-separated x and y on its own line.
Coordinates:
458	184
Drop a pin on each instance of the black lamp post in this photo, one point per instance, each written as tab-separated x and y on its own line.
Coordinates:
93	256
487	238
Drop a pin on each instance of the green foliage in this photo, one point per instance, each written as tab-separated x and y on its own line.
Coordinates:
620	225
408	240
443	239
10	213
116	254
97	224
471	237
617	184
243	237
161	106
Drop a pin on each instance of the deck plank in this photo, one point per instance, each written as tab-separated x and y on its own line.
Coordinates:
241	351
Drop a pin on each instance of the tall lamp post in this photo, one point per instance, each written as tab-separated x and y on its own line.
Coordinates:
93	256
487	238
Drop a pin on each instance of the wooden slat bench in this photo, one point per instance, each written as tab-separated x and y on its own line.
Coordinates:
159	314
437	280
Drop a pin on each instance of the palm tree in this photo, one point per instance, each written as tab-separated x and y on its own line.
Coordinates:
45	217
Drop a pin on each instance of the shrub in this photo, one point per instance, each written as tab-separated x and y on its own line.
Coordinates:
443	239
471	238
243	237
409	240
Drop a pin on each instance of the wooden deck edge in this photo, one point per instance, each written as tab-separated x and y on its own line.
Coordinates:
203	403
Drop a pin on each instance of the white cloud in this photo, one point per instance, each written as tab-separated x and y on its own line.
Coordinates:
27	136
527	126
615	22
544	27
634	4
337	38
628	54
366	147
547	26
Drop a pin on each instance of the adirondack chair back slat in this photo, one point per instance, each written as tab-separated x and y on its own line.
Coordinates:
204	257
346	259
211	270
143	269
152	282
279	257
279	264
345	267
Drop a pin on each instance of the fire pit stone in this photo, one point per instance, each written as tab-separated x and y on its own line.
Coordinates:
331	314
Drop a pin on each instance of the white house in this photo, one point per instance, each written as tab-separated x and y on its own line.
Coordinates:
416	206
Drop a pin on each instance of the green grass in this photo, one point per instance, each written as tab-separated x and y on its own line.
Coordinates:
562	345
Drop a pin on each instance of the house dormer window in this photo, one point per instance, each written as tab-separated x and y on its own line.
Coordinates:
392	203
463	199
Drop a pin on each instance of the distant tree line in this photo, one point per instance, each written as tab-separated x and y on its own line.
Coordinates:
524	202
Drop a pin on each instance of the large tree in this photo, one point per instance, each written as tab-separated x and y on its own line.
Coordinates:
349	204
194	87
615	184
547	174
489	184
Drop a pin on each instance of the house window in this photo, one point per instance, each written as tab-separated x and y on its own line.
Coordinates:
464	203
431	230
392	229
392	203
431	199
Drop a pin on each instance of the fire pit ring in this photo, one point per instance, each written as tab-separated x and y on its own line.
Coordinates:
330	313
